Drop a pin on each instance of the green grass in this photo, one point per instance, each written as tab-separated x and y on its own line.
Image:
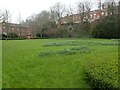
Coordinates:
52	63
0	64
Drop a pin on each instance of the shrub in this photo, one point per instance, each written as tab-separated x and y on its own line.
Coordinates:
12	35
106	28
102	73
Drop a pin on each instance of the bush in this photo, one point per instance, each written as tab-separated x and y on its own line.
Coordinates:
106	28
12	35
102	73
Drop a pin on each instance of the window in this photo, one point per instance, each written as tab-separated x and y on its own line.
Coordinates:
79	18
73	18
3	23
91	15
106	13
17	29
9	29
86	17
98	16
12	28
76	17
102	13
3	27
94	17
94	14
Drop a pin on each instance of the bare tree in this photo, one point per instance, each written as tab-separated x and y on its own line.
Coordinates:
70	20
118	18
5	18
53	15
70	14
110	5
59	10
99	7
0	16
81	10
31	21
84	9
88	7
119	8
20	22
42	20
39	23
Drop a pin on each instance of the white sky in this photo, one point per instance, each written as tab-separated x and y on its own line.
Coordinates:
28	7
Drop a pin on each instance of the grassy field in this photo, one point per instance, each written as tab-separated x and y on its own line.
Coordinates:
0	64
52	63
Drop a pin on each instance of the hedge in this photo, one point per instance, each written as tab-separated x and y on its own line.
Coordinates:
102	73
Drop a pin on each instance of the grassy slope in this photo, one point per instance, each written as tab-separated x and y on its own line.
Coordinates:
23	67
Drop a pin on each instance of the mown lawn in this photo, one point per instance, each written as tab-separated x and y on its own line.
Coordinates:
0	64
52	63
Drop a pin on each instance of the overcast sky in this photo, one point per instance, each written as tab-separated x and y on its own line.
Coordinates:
28	7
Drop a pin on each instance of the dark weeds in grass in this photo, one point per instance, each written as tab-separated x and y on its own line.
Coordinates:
70	51
76	43
61	44
102	43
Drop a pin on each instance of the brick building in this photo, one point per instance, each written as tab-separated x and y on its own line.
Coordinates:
76	18
19	30
93	15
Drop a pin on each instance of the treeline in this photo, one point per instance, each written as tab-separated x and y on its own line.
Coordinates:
109	26
49	23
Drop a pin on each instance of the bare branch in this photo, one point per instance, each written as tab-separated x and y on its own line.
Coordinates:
5	16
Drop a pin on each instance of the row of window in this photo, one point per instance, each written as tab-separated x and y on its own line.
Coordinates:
12	29
92	16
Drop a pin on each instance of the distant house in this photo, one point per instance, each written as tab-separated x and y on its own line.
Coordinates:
93	15
76	18
19	30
